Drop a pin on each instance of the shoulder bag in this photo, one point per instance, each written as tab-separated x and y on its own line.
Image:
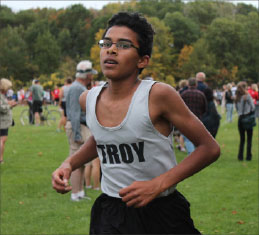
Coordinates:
247	120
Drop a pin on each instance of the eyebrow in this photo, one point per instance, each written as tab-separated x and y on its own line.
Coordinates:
120	39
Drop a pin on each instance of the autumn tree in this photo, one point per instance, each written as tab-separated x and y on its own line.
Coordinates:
160	66
95	55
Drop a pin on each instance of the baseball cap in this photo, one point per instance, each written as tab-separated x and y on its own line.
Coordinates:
83	68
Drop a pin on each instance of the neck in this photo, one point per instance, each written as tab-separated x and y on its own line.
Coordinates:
122	88
82	81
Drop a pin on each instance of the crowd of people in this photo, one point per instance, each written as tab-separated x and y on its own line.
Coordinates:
116	131
204	102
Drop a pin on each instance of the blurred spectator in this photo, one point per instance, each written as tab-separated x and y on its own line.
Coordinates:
92	172
233	89
28	98
197	103
244	105
21	95
55	95
200	77
229	102
6	119
183	85
47	97
37	101
62	103
253	91
211	119
257	105
76	128
223	101
10	94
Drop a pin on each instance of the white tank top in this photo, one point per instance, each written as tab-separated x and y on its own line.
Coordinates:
133	150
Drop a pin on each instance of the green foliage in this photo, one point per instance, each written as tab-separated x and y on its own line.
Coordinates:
67	68
184	30
47	53
75	23
245	9
224	40
200	59
7	17
250	47
25	18
159	9
13	55
161	60
202	12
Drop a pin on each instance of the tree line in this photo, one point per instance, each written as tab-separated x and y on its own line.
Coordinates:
217	37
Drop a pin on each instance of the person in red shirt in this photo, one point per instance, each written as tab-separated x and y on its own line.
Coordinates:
55	95
253	91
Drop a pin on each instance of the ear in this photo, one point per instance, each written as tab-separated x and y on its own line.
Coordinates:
143	62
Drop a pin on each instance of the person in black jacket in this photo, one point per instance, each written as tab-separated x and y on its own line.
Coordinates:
229	102
211	119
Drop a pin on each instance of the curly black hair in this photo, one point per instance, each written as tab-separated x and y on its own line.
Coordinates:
137	23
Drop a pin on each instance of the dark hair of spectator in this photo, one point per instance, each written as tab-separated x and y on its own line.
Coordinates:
208	92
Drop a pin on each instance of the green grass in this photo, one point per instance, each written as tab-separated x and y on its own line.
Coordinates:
223	197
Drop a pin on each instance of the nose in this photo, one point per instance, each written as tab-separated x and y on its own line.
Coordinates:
113	49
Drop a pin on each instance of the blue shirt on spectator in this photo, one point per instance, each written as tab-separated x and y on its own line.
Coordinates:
74	112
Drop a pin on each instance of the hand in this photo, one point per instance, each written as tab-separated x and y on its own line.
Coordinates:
60	178
140	193
12	103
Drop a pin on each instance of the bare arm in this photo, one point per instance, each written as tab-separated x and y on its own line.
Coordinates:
166	103
84	155
61	94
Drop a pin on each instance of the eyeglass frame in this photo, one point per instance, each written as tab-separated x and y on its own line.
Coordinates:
121	40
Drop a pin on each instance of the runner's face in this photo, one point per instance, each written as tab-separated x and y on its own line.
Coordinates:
120	63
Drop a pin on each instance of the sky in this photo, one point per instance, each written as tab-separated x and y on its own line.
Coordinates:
58	4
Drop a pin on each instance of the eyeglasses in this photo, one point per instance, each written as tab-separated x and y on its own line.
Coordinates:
122	44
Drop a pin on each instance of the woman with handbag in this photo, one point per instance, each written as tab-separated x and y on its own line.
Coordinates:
246	119
6	119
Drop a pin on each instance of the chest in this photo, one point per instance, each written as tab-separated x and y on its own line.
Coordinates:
112	113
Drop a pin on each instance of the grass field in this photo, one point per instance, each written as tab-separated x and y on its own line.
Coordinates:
223	197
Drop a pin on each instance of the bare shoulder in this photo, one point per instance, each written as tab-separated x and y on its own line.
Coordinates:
165	101
162	93
82	100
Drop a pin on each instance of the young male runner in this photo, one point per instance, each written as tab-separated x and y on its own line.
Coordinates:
132	125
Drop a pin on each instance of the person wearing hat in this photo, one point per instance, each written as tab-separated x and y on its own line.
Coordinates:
6	119
37	100
76	129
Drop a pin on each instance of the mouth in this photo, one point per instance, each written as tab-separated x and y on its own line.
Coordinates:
110	61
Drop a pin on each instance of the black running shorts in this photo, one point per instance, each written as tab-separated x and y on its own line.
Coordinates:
165	215
37	106
4	132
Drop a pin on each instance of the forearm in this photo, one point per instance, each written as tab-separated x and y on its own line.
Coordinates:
84	155
203	156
